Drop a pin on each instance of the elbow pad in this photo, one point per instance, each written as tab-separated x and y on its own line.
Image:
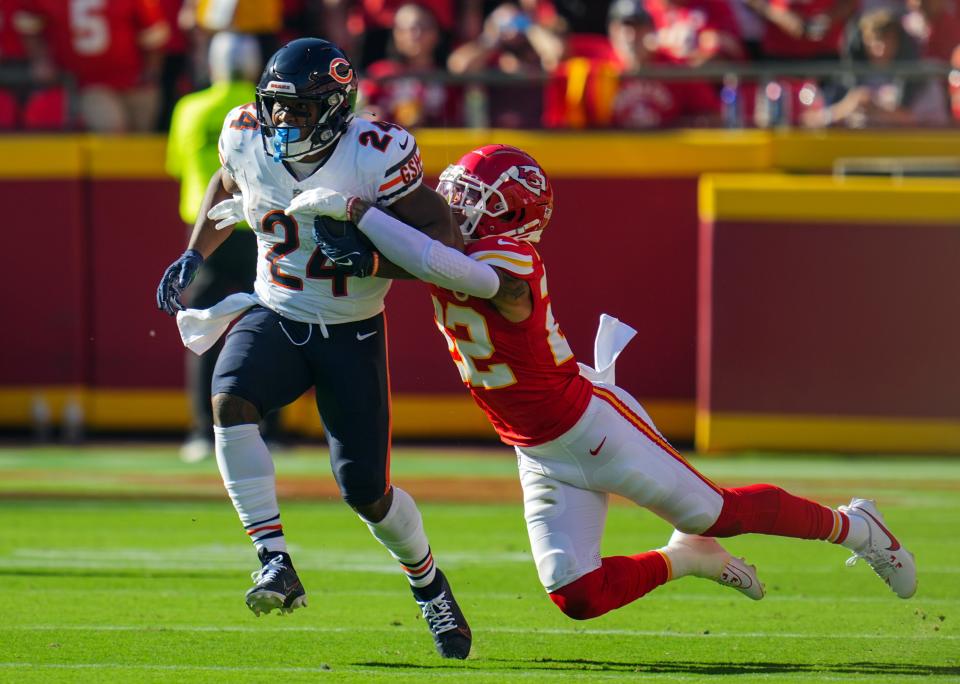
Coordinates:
454	270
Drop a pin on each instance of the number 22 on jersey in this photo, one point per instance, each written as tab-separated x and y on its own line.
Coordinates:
471	354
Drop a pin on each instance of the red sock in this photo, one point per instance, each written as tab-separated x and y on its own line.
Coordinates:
766	509
618	581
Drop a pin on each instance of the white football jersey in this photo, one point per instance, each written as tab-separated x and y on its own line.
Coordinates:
376	161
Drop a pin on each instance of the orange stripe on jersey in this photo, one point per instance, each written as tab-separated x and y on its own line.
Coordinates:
649	432
390	184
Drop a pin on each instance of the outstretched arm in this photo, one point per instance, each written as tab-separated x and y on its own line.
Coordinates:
421	256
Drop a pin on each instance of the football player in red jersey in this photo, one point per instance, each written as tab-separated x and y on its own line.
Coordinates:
579	440
112	49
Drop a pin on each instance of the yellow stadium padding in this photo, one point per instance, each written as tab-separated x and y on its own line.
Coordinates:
828	199
718	432
414	415
589	154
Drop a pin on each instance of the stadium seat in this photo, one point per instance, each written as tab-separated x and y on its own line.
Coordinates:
46	110
9	111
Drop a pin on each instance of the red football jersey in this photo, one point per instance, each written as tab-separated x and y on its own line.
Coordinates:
778	43
100	42
523	375
679	24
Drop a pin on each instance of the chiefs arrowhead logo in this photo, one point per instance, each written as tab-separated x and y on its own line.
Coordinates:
530	177
340	70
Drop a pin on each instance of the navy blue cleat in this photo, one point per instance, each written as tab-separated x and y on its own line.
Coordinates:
276	585
451	633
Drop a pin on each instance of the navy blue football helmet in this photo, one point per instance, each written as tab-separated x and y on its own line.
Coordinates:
306	70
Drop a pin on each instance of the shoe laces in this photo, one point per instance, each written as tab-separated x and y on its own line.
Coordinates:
269	571
880	560
438	614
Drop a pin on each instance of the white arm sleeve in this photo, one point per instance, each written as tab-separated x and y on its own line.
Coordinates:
427	259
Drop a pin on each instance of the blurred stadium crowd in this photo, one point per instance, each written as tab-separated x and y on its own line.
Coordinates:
121	65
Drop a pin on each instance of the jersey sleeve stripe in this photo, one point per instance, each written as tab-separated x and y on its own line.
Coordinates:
403	190
390	184
500	260
400	164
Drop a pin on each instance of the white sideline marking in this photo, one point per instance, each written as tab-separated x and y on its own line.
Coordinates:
311	562
717	597
218	559
496	630
221	558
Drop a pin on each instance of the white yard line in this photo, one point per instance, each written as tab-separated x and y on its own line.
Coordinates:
496	630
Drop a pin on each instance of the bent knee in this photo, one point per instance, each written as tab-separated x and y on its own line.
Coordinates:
696	524
230	410
376	511
578	600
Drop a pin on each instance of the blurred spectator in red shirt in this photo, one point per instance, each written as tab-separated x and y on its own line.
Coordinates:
599	92
368	24
111	49
803	29
935	25
882	100
11	47
694	32
512	42
411	102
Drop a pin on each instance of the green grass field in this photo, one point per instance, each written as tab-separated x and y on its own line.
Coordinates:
122	564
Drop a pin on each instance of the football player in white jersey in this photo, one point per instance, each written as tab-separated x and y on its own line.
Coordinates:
313	322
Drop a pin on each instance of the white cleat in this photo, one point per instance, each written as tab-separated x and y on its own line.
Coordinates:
708	559
883	552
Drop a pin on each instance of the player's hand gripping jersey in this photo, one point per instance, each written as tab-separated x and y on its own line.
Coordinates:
376	161
523	375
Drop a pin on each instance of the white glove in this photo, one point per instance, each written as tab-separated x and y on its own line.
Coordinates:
322	201
227	213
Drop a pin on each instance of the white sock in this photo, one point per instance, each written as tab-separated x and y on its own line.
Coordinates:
858	533
401	532
691	554
248	474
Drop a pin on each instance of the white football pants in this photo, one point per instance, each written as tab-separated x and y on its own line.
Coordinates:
613	448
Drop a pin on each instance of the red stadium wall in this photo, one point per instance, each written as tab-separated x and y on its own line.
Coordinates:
851	342
623	241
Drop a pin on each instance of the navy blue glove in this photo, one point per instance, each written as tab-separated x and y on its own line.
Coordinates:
344	245
175	280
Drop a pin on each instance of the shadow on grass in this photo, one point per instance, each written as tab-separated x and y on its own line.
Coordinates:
695	668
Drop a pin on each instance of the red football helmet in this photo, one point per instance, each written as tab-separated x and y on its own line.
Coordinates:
498	190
